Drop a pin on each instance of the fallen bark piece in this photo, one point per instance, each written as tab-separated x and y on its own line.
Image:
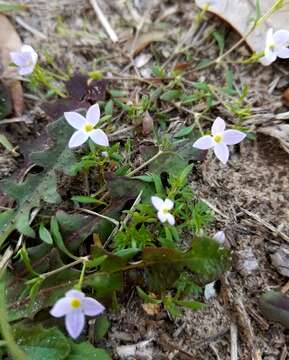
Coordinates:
10	41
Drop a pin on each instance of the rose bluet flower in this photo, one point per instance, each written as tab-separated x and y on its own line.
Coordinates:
25	59
219	140
276	46
85	127
74	306
163	207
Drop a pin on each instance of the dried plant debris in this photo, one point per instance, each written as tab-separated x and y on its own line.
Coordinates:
154	144
82	92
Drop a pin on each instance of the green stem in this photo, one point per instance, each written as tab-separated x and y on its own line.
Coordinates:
146	163
81	279
67	266
6	331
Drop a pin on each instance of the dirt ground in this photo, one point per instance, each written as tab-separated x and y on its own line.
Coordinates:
249	194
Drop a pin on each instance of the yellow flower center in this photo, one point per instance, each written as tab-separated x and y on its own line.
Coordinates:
88	127
75	303
165	210
217	138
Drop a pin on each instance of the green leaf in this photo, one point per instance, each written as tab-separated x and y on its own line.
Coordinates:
129	188
87	351
206	260
184	132
20	305
149	299
87	200
171	95
220	41
39	343
101	327
55	231
6	143
42	186
177	158
45	235
190	304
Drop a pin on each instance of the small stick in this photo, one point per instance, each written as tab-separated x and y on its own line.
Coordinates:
29	28
104	22
270	227
284	353
234	341
245	323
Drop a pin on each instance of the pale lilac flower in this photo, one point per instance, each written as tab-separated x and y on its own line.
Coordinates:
206	4
276	46
220	237
74	306
219	140
163	207
25	59
85	127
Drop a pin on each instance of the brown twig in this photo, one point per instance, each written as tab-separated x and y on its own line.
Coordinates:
247	329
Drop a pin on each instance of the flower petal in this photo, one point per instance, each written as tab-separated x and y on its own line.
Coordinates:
218	126
283	53
204	143
17	58
93	114
75	120
78	138
281	38
73	293
92	307
170	219
210	291
32	53
219	237
269	58
269	38
157	202
26	70
99	137
168	204
222	152
162	217
232	137
74	323
61	307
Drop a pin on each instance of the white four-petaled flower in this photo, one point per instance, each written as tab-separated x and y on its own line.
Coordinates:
276	46
74	306
163	207
25	59
219	140
85	127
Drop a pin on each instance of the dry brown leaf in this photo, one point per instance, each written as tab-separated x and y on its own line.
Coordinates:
240	14
10	41
145	40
